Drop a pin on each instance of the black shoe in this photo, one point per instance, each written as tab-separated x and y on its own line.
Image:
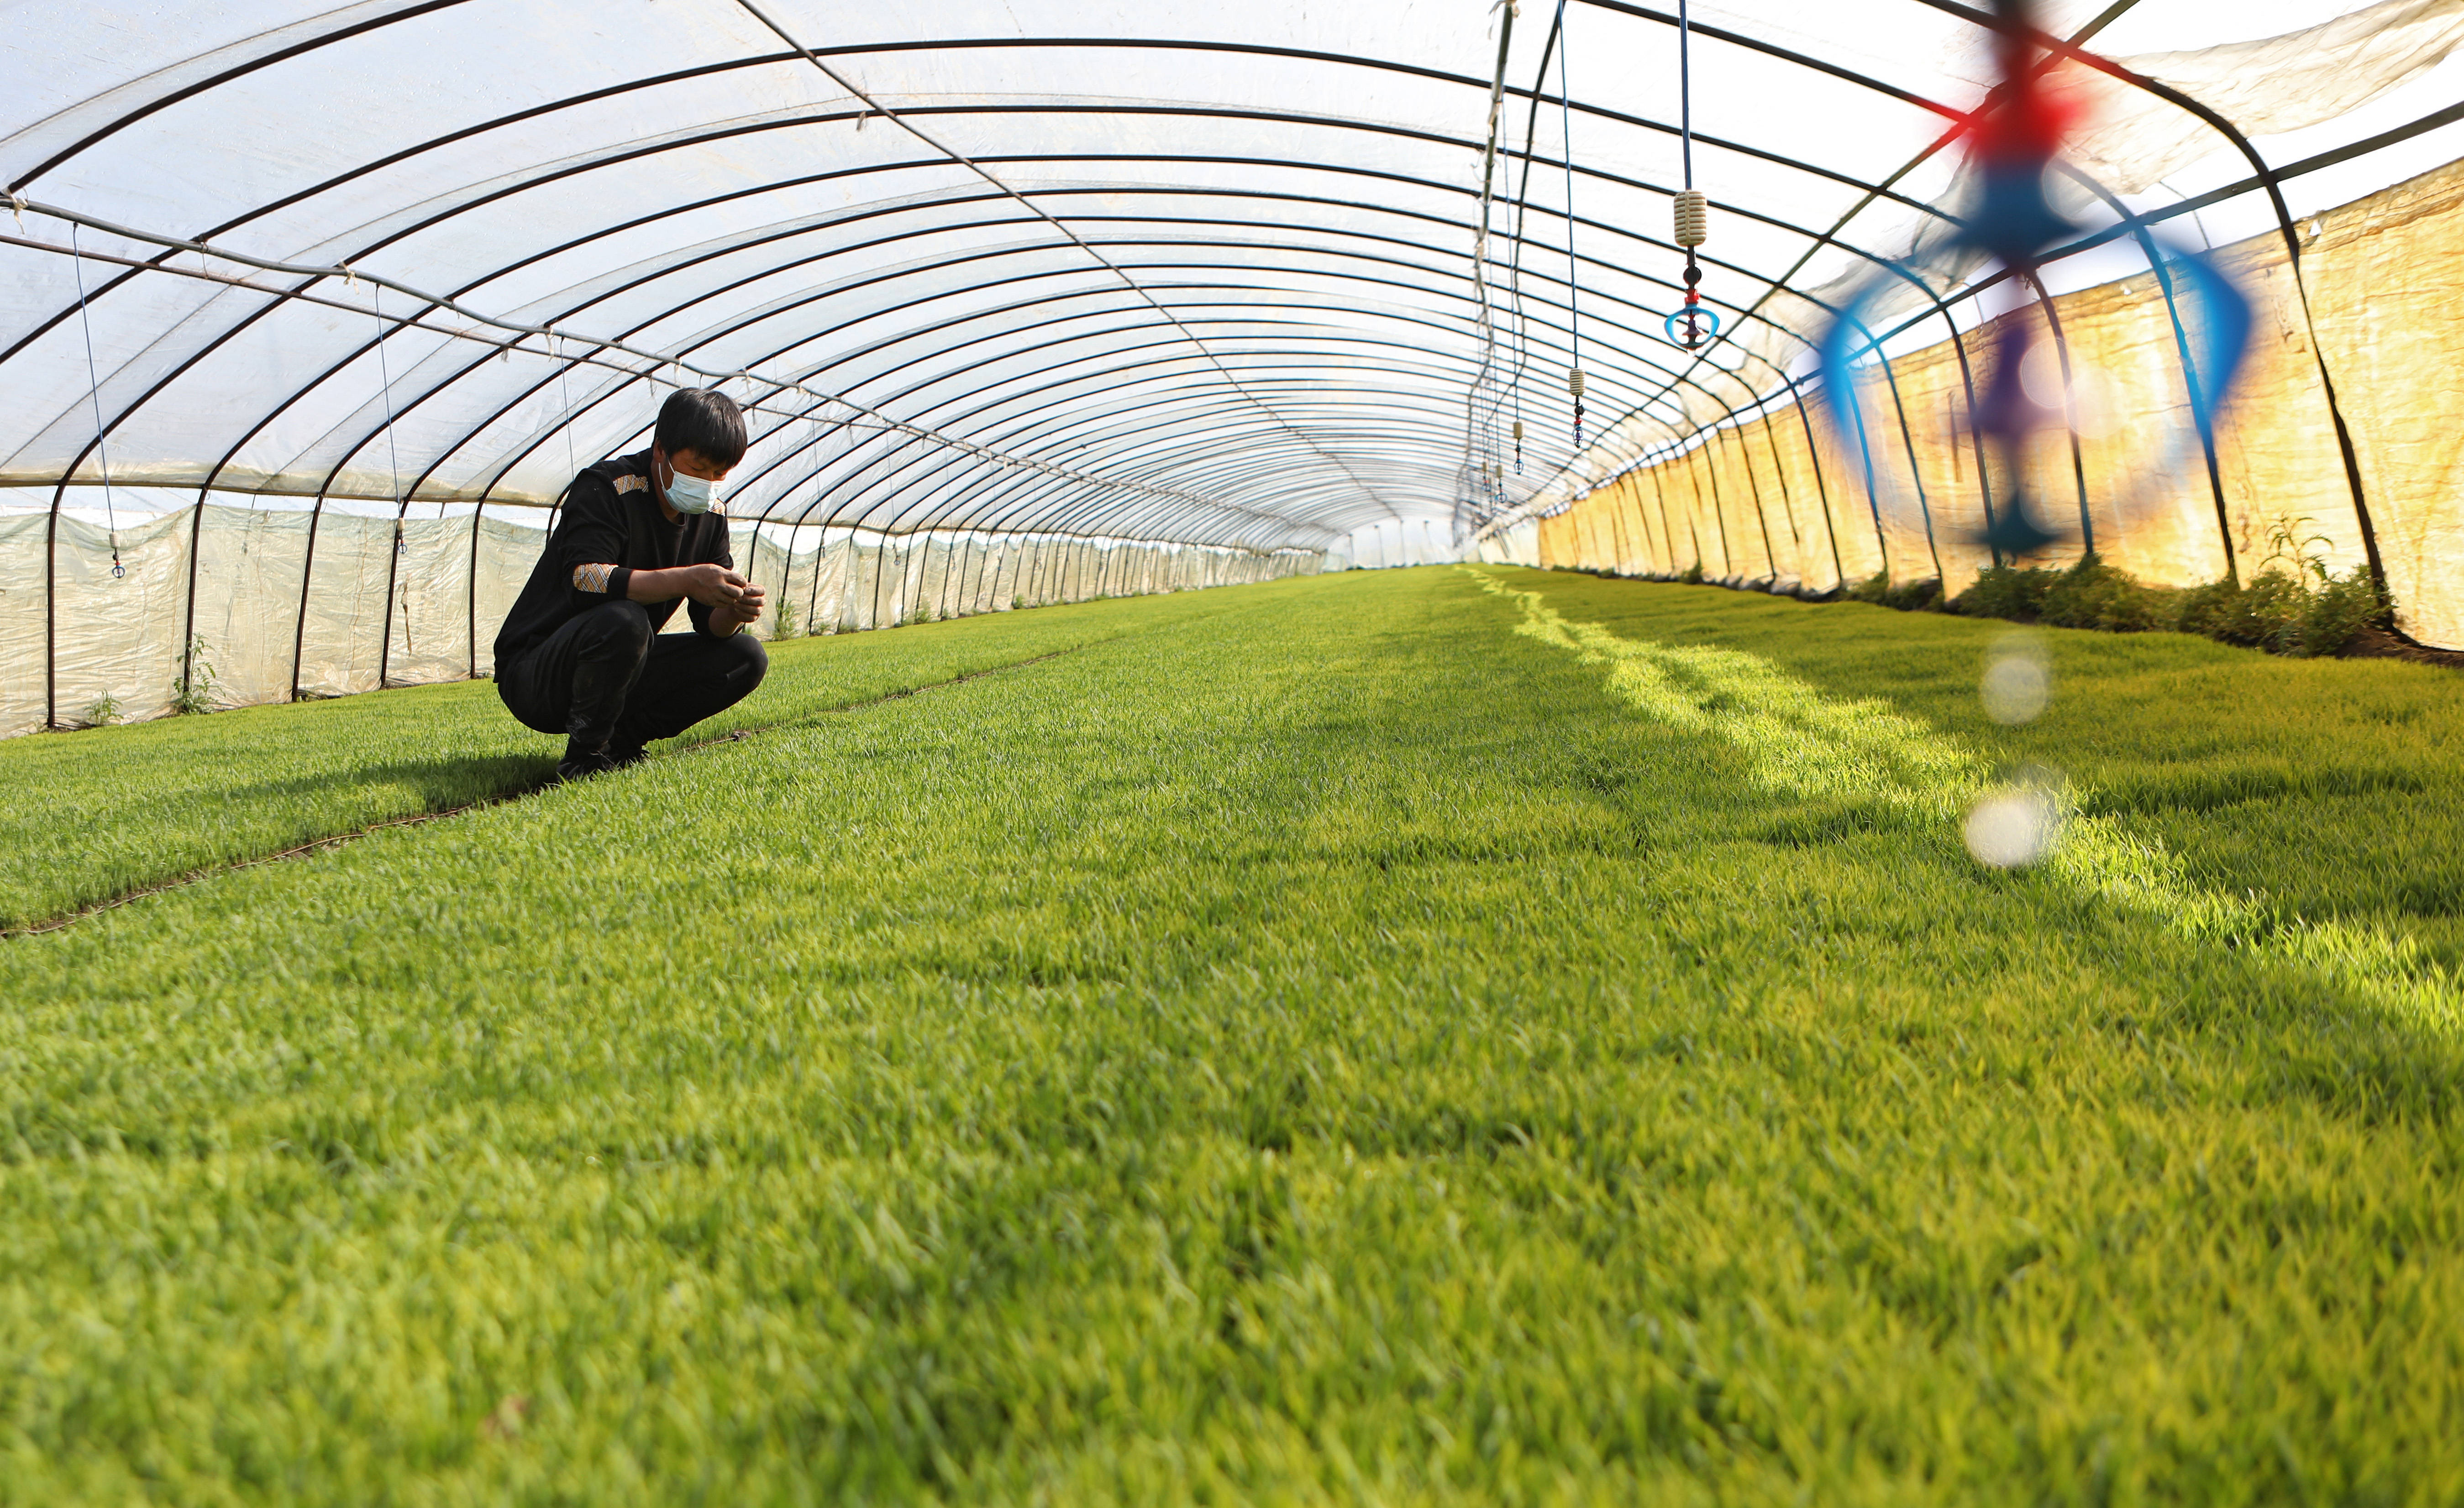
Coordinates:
624	757
584	758
577	767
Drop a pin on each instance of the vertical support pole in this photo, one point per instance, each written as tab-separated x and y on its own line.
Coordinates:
1787	503
2070	409
1916	476
307	574
471	603
1976	440
1771	562
1698	467
1822	487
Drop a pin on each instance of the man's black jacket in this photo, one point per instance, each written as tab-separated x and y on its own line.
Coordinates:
610	518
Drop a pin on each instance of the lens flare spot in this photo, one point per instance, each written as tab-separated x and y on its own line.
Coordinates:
2018	680
2012	827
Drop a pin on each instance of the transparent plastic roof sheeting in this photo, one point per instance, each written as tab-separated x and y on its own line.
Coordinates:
1181	274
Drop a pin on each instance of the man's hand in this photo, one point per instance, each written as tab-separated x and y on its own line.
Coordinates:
715	587
733	600
743	611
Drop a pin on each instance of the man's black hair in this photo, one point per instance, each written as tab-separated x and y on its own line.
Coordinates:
704	420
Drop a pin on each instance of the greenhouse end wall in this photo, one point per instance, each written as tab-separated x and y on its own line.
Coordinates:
1776	503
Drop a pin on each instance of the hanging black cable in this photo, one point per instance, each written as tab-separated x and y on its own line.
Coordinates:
1573	269
94	391
1692	325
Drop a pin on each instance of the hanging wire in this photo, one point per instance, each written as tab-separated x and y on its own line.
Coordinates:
1686	91
1693	325
1514	284
565	396
393	457
94	391
1574	270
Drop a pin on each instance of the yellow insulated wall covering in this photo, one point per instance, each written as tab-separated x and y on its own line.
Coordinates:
1781	502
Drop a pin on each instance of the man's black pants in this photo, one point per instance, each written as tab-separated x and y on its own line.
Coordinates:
608	682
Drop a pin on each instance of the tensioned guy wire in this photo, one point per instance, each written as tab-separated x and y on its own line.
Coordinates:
94	392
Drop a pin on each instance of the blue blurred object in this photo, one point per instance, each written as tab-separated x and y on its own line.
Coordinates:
2014	140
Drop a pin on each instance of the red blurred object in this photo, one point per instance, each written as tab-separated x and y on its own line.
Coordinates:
2021	122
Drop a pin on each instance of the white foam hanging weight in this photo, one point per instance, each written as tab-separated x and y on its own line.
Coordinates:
1693	217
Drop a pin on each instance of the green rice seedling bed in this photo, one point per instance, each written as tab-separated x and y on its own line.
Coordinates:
111	810
1410	1037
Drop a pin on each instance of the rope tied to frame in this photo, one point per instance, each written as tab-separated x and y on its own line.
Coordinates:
94	392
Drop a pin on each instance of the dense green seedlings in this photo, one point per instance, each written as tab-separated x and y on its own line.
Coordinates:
124	807
1324	1041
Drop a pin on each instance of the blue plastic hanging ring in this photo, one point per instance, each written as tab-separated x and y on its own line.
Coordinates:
117	570
1692	325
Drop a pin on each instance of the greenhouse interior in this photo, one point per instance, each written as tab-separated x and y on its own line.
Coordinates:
1421	752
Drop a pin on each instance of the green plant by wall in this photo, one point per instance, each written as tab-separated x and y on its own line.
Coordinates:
2295	606
782	619
1912	596
102	711
197	687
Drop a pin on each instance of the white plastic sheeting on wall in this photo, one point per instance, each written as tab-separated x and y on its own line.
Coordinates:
288	603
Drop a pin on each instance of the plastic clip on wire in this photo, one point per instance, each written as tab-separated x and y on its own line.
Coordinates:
2014	140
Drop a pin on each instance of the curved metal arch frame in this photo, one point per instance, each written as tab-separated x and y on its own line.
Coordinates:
169	377
1315	121
1940	5
1009	438
1106	353
2263	176
1095	291
669	270
1006	437
975	503
1249	465
1394	318
1335	59
971	315
889	475
672	145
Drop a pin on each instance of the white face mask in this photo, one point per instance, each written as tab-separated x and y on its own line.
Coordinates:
689	494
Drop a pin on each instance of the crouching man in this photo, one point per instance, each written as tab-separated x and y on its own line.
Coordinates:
581	654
